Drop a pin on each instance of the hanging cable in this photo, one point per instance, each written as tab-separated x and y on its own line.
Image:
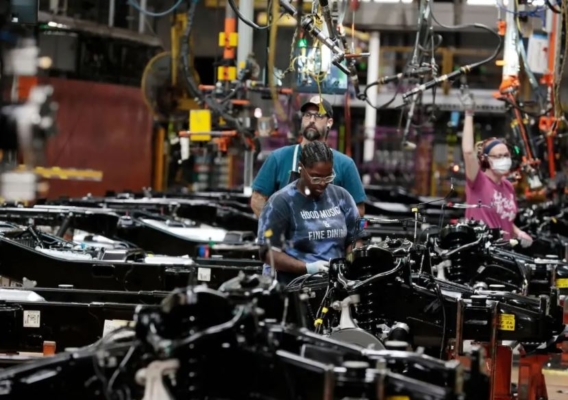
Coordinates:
271	63
137	6
552	7
247	21
413	67
462	70
557	100
420	66
192	86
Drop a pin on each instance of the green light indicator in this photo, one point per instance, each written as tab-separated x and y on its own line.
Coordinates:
302	43
517	150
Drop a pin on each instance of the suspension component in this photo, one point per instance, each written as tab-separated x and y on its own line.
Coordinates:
462	264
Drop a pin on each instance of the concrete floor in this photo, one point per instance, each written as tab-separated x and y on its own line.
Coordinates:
556	377
556	384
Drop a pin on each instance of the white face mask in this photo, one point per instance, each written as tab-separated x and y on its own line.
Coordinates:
501	165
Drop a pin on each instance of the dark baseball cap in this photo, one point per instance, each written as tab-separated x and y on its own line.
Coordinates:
316	101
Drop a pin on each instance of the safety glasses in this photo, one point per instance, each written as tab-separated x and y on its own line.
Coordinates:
318	180
308	115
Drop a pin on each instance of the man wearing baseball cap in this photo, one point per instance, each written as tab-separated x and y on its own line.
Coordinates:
281	167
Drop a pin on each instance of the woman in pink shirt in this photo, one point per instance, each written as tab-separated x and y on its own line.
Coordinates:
487	165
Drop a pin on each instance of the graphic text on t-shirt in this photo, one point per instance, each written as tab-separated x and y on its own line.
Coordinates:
504	207
327	234
330	212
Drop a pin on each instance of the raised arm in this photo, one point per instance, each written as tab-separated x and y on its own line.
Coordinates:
468	141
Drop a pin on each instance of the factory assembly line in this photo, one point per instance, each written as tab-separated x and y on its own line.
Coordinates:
291	288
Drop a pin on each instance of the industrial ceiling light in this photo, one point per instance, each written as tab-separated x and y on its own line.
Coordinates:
53	24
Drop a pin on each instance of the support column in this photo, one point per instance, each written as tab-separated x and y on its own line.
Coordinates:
245	47
142	16
370	112
248	173
511	60
111	12
458	11
54	6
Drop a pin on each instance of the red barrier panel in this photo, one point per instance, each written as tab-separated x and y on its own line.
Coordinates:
102	127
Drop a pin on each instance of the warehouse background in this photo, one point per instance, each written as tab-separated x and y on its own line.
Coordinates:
98	64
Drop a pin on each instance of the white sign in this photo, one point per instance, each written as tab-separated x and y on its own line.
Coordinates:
537	53
114	324
32	319
204	274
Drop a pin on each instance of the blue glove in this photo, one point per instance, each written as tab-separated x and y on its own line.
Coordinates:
317	267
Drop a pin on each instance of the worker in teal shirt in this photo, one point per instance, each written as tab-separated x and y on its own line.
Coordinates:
281	167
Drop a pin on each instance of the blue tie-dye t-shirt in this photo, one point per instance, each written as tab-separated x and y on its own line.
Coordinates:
309	229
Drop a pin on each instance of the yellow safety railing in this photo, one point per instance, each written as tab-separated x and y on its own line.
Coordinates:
65	173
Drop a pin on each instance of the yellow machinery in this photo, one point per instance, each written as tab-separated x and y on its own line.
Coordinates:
167	98
188	122
162	90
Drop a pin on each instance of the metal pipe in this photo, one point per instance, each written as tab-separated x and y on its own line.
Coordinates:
458	12
510	54
248	173
142	16
54	6
99	29
245	47
371	112
64	225
229	28
111	11
458	348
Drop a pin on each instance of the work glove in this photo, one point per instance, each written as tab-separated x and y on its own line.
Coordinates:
467	100
525	239
317	267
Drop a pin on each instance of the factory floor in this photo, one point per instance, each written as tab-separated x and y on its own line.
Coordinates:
556	376
557	387
556	384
